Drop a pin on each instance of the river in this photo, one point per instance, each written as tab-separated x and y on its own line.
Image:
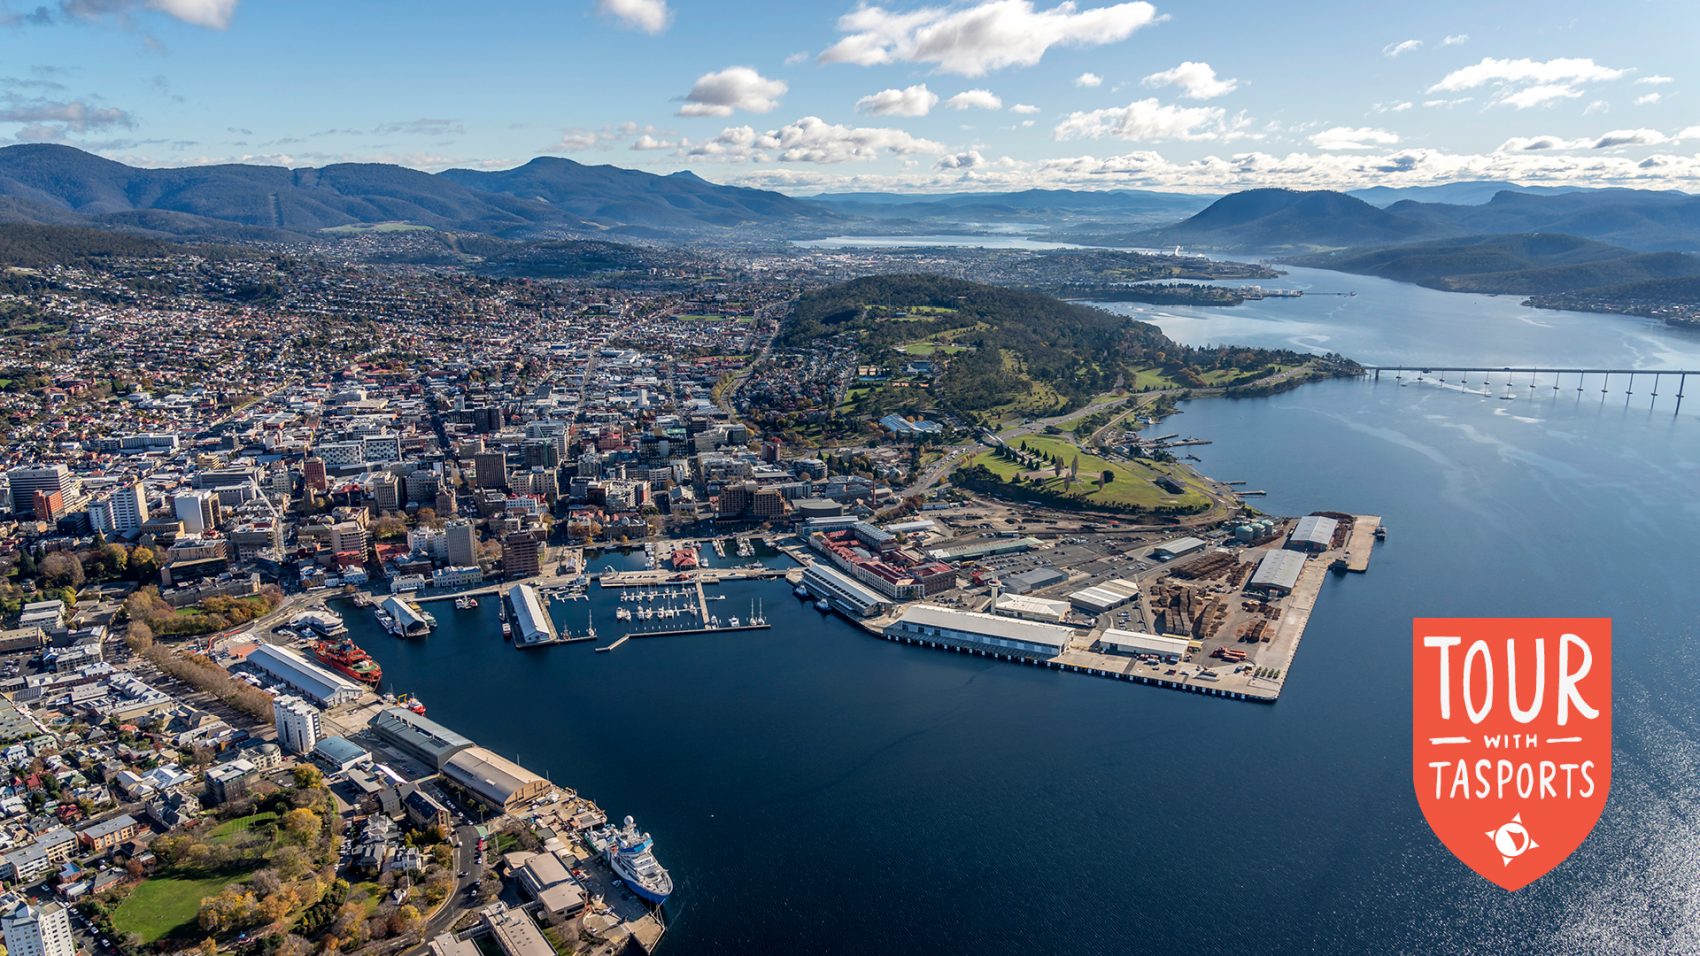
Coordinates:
816	790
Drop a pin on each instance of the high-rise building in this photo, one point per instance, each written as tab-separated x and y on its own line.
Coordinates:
491	467
522	554
298	729
488	419
198	510
461	544
43	930
386	491
25	482
123	510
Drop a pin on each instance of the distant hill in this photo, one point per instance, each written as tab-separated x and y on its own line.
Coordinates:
46	183
1028	205
1271	219
1458	194
610	195
1523	264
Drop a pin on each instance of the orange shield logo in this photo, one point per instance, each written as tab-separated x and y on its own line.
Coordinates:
1511	748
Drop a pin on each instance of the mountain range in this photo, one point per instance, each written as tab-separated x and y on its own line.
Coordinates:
551	198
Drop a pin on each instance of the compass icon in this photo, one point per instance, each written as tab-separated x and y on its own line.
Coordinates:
1512	839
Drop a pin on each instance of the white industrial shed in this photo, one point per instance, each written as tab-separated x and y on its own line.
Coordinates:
1313	533
1030	608
1137	643
308	679
1105	596
972	630
1278	572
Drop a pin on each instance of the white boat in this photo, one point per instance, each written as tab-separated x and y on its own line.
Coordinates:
631	855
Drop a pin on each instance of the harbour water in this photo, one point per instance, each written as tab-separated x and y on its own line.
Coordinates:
816	790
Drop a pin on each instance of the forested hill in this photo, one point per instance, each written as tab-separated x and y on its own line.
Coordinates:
1000	347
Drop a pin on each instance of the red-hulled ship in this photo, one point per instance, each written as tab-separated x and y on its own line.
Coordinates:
347	658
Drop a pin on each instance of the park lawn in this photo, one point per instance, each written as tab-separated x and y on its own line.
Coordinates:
366	894
355	228
1134	484
167	905
1222	376
926	349
230	830
1152	378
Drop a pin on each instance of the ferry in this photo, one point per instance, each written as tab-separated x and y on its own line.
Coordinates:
631	854
346	658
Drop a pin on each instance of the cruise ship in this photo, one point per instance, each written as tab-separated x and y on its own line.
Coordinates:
632	856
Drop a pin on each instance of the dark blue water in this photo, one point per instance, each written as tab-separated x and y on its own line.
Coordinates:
816	790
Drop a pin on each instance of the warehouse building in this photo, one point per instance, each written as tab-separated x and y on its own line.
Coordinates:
1277	573
1036	579
1180	547
982	633
839	590
310	680
984	549
1314	533
1105	596
1117	641
494	779
340	755
531	623
418	736
1027	608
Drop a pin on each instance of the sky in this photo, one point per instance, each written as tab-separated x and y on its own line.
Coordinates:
813	95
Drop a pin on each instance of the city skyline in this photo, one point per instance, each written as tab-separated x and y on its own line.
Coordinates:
991	94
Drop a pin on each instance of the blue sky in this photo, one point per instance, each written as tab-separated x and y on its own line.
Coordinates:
831	95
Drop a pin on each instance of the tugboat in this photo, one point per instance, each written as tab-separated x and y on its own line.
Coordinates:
347	658
632	857
823	605
801	592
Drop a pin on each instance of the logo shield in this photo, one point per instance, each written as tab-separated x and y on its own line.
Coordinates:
1511	738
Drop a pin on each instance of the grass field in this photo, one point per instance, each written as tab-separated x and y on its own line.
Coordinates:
1152	378
715	317
356	228
166	905
926	349
230	830
1133	484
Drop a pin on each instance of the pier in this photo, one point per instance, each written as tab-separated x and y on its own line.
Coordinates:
1465	375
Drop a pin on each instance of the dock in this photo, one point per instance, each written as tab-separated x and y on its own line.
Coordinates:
1362	542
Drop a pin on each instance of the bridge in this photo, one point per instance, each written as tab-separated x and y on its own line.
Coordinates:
1464	374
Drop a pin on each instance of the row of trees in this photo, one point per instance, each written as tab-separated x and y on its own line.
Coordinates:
201	673
215	613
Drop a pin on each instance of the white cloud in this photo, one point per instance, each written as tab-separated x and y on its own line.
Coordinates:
1088	80
734	88
1148	119
207	13
1455	39
1655	80
649	142
1647	99
1401	48
914	100
1360	137
1197	81
76	116
1024	109
801	56
650	16
1533	144
975	100
1690	133
1145	169
974	39
1597	106
811	140
966	160
1541	94
1524	83
1630	137
1398	107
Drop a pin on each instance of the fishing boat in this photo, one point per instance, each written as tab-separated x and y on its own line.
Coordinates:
631	855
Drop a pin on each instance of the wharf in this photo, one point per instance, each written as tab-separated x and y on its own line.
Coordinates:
681	631
1361	543
658	578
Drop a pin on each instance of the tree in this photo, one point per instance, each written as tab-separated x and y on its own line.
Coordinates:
143	564
209	947
302	823
61	569
308	777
